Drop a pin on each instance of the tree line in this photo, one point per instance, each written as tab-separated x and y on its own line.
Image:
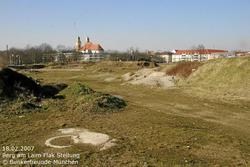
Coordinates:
43	53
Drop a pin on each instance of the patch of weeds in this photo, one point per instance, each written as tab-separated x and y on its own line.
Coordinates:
78	89
29	106
93	101
111	102
21	105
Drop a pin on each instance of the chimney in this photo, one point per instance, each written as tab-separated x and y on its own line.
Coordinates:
87	39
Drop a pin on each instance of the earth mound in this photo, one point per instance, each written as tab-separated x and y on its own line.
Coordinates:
150	77
111	102
20	94
96	101
14	84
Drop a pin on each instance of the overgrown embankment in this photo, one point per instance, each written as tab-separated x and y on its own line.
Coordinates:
227	78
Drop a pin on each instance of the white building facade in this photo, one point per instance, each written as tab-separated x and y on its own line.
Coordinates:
167	57
198	55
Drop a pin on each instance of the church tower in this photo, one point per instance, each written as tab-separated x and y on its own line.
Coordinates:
87	40
78	44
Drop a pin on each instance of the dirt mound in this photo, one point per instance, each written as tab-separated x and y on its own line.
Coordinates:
83	89
151	77
14	84
184	69
96	101
110	102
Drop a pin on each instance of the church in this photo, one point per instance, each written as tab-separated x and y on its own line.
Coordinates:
90	51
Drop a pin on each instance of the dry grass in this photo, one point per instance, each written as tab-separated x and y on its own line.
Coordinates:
157	128
3	62
223	77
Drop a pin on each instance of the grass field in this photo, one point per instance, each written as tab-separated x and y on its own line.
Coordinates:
159	127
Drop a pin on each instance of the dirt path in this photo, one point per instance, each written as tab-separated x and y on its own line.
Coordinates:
177	103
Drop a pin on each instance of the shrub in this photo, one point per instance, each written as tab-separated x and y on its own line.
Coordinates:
94	101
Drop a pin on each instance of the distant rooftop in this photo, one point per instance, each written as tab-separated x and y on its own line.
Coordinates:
91	46
202	51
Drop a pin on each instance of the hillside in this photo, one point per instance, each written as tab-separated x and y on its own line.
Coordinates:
229	78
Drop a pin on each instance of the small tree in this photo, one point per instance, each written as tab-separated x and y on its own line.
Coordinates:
44	47
61	48
200	47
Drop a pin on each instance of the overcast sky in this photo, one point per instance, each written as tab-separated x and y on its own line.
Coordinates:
120	24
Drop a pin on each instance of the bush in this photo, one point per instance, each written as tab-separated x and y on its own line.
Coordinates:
110	102
94	101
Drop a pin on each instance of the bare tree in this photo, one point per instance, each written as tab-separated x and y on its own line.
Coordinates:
44	47
34	54
201	47
198	47
61	48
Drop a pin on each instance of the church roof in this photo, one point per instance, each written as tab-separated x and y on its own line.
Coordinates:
91	46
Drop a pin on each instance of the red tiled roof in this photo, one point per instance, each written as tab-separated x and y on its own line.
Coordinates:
91	46
203	51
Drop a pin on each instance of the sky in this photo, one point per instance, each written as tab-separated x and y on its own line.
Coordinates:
157	25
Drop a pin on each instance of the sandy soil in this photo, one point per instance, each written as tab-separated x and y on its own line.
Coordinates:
150	77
